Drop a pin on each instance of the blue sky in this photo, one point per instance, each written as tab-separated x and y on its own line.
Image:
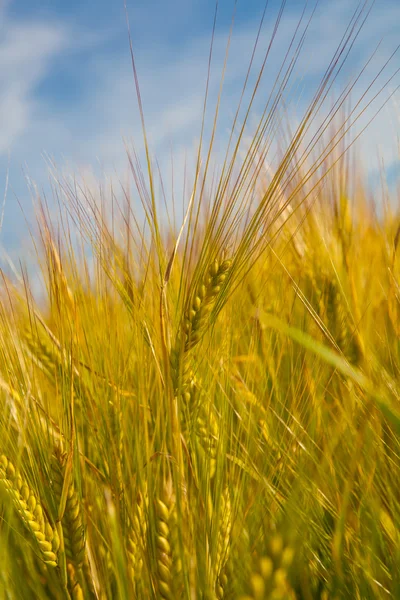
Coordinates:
67	87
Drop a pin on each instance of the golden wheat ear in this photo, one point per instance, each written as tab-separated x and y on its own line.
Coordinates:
72	521
223	544
197	315
30	511
136	541
270	577
195	324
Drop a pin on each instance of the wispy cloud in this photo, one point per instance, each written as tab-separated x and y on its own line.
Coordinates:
26	51
88	128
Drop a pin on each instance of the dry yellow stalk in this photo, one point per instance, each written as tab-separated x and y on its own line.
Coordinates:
30	511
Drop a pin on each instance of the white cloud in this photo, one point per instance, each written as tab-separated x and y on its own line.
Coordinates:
25	54
90	131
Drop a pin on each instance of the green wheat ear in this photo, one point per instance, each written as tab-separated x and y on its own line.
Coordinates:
30	511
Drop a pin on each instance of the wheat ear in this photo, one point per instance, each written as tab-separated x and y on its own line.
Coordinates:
72	522
30	511
196	317
163	549
270	579
47	357
195	325
137	541
199	308
223	543
207	433
76	588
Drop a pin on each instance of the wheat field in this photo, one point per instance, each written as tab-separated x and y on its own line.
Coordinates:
207	407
